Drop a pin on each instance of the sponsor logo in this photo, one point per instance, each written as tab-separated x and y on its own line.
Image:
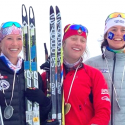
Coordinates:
106	98
79	31
104	91
119	21
104	70
4	85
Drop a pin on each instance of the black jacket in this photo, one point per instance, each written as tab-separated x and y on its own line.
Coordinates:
18	101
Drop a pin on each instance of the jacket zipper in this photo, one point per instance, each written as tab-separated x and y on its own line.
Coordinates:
112	88
19	87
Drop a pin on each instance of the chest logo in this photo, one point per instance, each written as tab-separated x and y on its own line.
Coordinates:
4	85
104	70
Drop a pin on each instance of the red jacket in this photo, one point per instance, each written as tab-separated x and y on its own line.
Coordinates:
83	111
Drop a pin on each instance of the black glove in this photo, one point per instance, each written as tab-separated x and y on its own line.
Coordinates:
37	95
46	65
2	99
51	122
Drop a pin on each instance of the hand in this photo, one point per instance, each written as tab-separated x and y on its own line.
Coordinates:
51	122
37	95
46	65
2	99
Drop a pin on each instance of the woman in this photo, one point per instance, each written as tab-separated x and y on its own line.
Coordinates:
85	90
12	81
112	64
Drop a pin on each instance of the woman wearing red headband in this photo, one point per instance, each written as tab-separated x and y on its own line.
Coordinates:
112	64
12	81
85	90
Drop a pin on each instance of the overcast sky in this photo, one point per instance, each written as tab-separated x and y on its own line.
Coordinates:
90	13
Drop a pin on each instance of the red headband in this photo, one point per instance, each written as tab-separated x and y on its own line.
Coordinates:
70	32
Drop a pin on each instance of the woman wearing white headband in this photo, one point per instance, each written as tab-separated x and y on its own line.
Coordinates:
112	64
12	81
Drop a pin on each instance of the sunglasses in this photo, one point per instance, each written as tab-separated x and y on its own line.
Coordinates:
9	24
77	27
114	15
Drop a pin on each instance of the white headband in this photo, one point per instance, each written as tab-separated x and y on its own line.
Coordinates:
114	22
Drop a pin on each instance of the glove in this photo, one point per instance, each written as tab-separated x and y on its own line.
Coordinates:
46	65
51	122
37	95
2	99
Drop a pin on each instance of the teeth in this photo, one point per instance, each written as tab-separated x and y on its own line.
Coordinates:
118	39
13	49
76	49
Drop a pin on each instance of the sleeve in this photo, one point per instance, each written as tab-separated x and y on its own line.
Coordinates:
101	100
44	110
43	76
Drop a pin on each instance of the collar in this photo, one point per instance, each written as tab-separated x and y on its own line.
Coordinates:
7	62
67	68
110	55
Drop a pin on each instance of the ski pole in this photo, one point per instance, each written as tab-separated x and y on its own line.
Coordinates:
47	74
1	118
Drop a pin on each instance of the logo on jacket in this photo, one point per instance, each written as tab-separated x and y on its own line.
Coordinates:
104	70
4	85
106	98
104	91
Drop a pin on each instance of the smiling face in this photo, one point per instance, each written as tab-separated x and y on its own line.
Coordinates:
73	48
117	42
11	46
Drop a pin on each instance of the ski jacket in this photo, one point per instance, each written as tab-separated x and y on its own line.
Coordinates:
113	70
89	98
18	101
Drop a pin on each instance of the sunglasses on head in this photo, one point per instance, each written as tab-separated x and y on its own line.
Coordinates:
77	27
114	15
9	24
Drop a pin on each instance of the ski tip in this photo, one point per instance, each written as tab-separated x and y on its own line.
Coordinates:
23	5
31	7
57	9
51	10
51	7
24	13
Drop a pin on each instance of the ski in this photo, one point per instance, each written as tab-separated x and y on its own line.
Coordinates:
30	64
26	56
47	73
33	51
53	63
56	64
59	65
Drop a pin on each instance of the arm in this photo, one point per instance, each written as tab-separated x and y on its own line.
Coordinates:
44	81
101	101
